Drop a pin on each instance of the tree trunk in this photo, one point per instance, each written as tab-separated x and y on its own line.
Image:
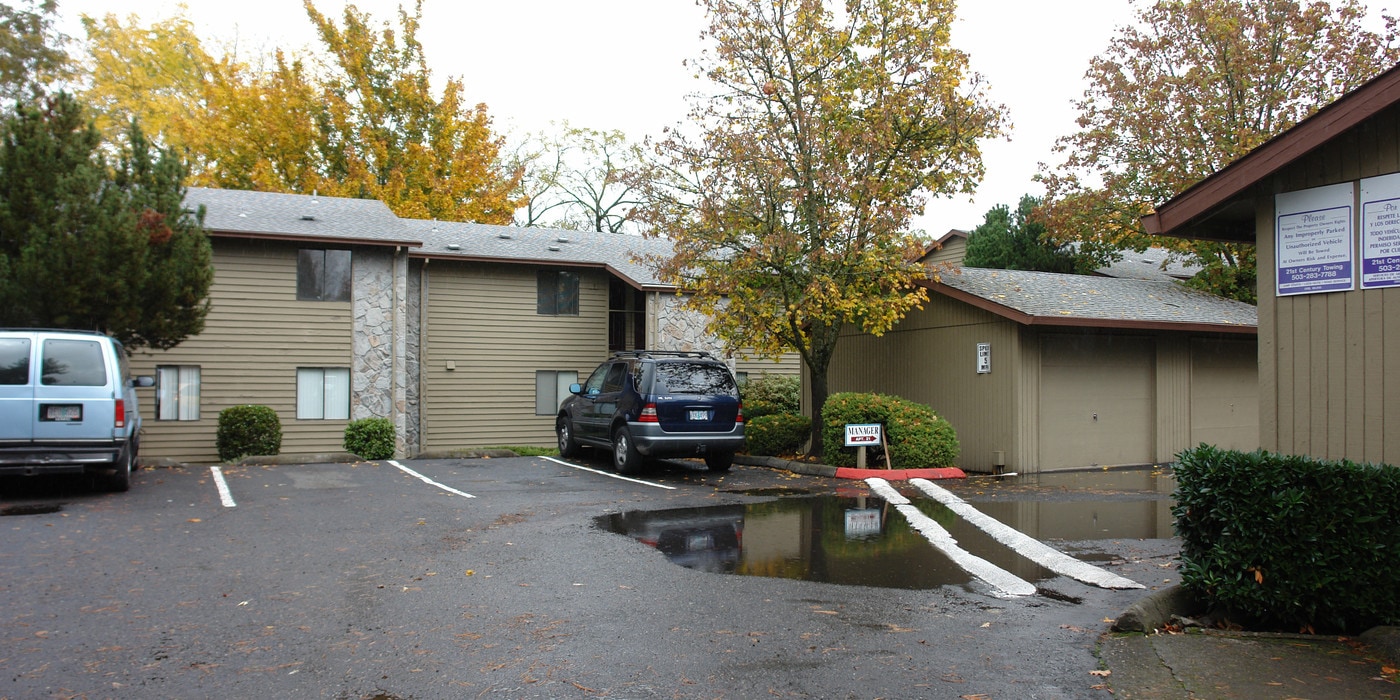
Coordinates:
818	358
819	393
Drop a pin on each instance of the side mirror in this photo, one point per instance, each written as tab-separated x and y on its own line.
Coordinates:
144	381
575	388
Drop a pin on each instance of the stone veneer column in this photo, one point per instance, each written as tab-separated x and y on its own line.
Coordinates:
377	372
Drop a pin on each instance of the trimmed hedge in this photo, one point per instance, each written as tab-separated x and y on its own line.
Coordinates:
370	438
1290	542
777	433
248	430
770	394
918	438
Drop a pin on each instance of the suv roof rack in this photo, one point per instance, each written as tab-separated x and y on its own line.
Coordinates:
697	354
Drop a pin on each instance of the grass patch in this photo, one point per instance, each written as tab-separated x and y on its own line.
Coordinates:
528	450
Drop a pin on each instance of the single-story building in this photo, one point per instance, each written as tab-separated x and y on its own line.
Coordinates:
1041	371
1322	203
330	309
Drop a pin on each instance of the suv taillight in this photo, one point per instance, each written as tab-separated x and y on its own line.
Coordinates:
740	417
648	414
120	417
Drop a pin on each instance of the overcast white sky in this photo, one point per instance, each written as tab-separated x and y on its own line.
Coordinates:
617	64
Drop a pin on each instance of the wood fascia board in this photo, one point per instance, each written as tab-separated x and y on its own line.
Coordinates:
541	262
308	238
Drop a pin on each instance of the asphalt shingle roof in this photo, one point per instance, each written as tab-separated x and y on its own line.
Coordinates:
1071	299
1148	265
299	216
540	246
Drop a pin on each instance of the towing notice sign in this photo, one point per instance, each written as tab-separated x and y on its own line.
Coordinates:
862	434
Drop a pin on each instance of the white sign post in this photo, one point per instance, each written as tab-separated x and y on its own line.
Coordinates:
861	436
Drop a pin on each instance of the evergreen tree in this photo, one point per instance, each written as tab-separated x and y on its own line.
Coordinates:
1007	241
89	246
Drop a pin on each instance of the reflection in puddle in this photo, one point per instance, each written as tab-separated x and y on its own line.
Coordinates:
1085	520
843	540
1149	480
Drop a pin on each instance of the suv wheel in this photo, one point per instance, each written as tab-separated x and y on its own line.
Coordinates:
626	458
568	447
719	462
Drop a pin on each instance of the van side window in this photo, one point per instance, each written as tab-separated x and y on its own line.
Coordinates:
73	363
14	361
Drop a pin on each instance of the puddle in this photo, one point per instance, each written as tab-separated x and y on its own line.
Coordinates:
36	509
1148	480
833	539
772	491
1084	520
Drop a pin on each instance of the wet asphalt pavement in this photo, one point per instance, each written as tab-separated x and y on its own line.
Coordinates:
368	581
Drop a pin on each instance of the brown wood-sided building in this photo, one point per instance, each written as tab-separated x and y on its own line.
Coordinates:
1315	200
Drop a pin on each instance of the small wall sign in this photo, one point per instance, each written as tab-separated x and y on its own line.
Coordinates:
984	358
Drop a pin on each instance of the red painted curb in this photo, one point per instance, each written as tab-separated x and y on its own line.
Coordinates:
900	474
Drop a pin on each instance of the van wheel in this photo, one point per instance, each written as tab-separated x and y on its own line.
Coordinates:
626	458
120	480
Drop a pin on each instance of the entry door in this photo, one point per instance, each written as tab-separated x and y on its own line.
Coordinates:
1097	401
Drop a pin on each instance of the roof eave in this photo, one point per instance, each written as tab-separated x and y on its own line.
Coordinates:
314	238
1180	215
1070	320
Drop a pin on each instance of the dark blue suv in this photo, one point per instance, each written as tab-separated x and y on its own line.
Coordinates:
643	404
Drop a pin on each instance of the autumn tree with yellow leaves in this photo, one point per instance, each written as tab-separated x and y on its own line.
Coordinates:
1183	91
789	200
362	122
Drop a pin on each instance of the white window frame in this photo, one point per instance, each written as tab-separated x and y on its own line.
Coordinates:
551	388
323	393
177	392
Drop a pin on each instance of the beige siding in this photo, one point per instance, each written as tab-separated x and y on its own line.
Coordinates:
1174	417
790	364
952	252
1329	364
931	358
1097	401
1224	389
256	336
482	320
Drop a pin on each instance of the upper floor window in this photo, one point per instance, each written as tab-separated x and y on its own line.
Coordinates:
323	275
557	293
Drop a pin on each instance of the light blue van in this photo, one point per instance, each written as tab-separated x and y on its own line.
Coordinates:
68	405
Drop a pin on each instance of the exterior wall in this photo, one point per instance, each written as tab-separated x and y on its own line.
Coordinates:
1329	364
931	357
255	337
673	327
953	251
481	344
1174	389
378	372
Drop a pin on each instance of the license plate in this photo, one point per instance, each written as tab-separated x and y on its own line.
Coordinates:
699	414
63	413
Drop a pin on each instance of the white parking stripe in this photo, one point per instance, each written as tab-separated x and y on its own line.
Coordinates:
1023	544
426	480
610	474
224	494
999	578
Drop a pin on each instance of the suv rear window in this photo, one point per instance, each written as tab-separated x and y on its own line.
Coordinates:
74	363
14	361
693	378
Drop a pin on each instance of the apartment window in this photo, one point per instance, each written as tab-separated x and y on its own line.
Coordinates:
177	392
557	293
323	393
551	388
323	275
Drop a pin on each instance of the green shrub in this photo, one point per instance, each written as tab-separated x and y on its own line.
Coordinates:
248	430
917	437
370	438
777	433
1290	542
768	394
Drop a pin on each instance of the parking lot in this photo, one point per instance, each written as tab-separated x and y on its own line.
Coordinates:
492	577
